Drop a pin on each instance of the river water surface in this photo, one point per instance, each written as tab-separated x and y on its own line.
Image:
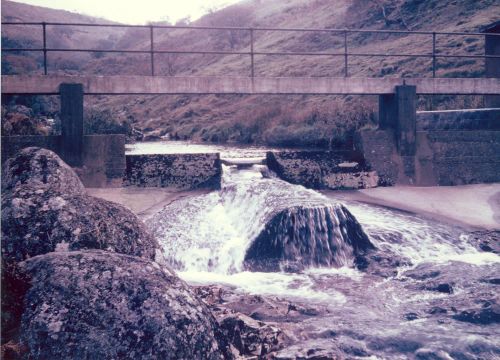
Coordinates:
424	309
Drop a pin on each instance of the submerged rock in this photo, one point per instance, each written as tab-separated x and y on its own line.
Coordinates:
96	304
488	241
40	169
484	313
251	337
299	237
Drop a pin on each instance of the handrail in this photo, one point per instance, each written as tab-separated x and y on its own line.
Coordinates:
252	53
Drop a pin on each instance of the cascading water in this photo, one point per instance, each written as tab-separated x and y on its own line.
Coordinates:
433	304
258	223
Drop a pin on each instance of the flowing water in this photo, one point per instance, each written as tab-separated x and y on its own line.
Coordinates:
409	314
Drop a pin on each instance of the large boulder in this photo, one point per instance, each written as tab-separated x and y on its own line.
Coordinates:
35	222
45	208
101	305
300	236
41	169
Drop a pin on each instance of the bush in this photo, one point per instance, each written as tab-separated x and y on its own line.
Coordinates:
105	122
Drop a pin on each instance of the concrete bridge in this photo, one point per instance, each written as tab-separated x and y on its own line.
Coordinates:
152	85
397	96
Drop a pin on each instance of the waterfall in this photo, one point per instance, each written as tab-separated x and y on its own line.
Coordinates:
257	223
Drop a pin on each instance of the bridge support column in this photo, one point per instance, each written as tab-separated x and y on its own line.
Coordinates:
398	111
492	47
72	123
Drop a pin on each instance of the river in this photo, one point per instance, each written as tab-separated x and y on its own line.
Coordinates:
438	301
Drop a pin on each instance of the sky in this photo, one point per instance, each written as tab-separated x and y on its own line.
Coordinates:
135	11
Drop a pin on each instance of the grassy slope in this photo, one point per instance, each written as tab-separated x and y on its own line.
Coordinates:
57	37
290	120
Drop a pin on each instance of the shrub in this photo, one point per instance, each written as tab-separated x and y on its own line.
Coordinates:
99	121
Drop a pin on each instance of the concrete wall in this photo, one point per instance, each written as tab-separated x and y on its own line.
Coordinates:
322	169
442	157
457	157
474	119
103	156
180	171
98	85
103	160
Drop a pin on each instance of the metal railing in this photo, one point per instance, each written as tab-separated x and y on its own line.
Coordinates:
252	53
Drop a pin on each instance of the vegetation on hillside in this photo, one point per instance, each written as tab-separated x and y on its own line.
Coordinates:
276	120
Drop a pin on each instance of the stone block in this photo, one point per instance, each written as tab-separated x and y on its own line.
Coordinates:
180	171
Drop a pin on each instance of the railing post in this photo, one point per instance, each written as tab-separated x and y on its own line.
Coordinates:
44	28
346	72
433	54
151	50
251	53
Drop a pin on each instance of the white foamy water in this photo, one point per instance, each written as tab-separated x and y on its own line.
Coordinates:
206	237
289	286
186	147
417	239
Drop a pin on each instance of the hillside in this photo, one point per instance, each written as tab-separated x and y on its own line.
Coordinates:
277	120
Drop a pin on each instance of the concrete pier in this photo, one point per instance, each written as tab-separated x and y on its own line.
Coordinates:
72	123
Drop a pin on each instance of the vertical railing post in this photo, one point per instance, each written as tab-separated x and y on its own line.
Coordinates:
251	54
151	50
433	54
44	31
346	72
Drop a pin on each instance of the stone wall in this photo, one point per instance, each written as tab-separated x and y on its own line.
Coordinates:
442	157
457	157
322	169
379	151
180	171
103	156
472	119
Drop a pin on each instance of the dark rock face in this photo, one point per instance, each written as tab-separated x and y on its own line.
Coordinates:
322	169
488	313
380	262
299	236
36	222
96	304
41	169
486	241
251	337
256	326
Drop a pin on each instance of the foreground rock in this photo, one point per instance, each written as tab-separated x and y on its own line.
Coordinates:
95	304
256	326
35	222
40	169
300	237
45	209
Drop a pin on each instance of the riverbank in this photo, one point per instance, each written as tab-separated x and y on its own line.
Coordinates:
144	202
472	206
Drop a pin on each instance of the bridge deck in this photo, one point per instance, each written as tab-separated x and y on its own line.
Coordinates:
116	85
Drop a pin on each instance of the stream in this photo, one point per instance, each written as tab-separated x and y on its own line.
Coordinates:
439	300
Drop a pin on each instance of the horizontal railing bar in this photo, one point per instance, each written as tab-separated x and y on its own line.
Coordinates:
255	28
249	53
